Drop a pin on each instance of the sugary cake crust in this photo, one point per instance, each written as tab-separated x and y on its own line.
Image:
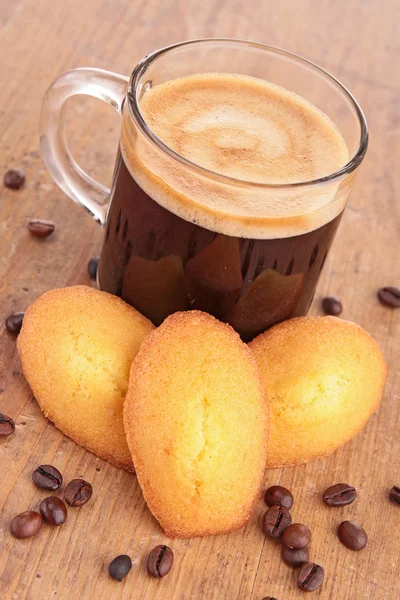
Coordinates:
324	378
76	347
196	420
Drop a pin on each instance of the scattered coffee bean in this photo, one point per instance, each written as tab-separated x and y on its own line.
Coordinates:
14	179
332	306
92	267
78	492
297	536
339	494
394	494
160	561
310	577
14	322
294	558
276	520
120	567
352	535
278	495
26	524
389	296
7	425
47	477
41	228
270	598
53	510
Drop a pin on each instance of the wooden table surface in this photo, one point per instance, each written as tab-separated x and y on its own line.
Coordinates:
358	41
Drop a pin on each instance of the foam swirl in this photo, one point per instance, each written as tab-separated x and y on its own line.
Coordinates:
245	128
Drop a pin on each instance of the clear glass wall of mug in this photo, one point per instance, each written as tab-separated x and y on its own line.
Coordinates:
179	236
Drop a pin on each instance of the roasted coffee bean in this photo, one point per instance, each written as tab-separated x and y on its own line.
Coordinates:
160	561
332	306
297	536
389	296
277	495
78	492
47	477
14	322
14	179
276	520
394	494
294	558
7	425
92	267
339	494
120	567
53	510
310	577
270	598
41	228
352	535
26	524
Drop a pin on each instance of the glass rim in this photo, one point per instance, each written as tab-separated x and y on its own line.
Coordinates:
133	102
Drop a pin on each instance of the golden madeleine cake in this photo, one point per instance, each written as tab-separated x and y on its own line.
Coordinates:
324	378
76	346
196	421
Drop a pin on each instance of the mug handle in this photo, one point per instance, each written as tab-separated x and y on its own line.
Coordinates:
68	175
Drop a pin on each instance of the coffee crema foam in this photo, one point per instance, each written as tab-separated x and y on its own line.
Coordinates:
247	129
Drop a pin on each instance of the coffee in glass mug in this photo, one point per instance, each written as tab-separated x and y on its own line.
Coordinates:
234	167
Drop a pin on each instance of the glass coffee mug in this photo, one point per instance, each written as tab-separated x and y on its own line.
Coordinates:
179	236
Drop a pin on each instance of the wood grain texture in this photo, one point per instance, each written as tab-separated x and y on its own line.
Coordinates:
358	41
